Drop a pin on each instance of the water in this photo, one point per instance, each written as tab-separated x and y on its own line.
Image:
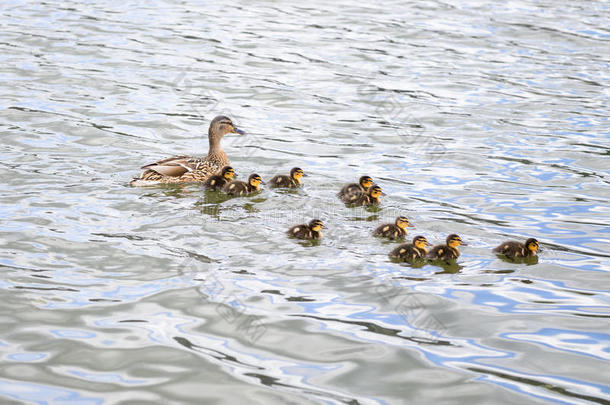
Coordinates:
485	119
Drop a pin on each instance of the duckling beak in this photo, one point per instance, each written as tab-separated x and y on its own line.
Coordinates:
238	131
305	175
410	225
263	182
382	193
235	175
463	243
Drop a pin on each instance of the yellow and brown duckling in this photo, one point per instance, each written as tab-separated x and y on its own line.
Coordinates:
514	249
188	169
313	230
411	251
240	188
448	251
361	198
217	181
393	231
362	186
291	181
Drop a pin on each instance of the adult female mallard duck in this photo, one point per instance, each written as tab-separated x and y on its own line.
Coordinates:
514	249
411	251
448	251
360	198
291	181
217	181
362	186
241	187
313	230
188	169
395	230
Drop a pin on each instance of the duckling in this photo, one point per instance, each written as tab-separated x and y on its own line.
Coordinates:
362	186
411	251
216	182
449	251
292	181
395	230
307	231
514	249
188	169
361	198
241	187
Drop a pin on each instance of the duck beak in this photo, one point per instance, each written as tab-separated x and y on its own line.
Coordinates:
384	194
263	182
305	175
238	131
463	243
411	225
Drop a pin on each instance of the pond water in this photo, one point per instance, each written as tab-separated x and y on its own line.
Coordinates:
486	119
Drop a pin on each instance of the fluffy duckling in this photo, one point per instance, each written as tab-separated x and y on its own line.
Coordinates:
360	199
189	169
411	251
291	181
307	231
395	230
449	251
514	249
361	187
241	187
217	182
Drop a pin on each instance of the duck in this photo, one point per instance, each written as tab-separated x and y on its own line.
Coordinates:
514	249
362	186
395	230
240	188
448	251
361	198
189	169
217	181
291	181
411	251
313	230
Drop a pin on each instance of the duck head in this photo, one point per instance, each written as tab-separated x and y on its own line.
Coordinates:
255	180
403	222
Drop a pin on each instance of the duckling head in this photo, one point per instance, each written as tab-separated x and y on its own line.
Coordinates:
420	242
453	241
532	245
296	173
375	191
316	225
403	222
365	182
228	173
255	180
222	125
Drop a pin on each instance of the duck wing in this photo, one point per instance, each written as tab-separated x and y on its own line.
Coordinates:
174	166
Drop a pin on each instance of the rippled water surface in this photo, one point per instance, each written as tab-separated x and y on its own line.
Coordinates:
486	119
